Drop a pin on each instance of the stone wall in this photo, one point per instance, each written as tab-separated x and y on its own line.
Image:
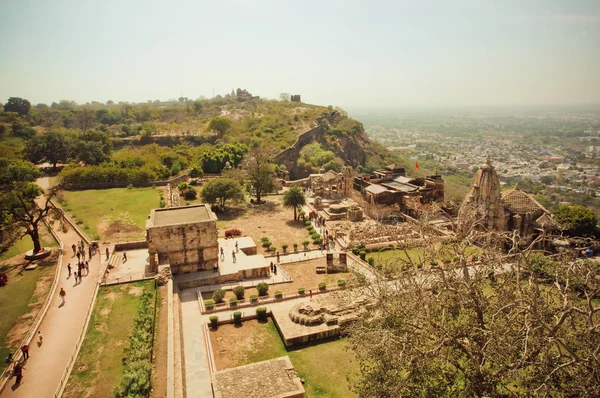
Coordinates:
289	156
190	247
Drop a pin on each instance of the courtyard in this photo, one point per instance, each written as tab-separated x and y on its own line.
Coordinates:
325	367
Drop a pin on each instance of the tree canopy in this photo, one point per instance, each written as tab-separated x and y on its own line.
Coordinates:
293	198
576	220
17	197
221	190
220	125
18	105
260	172
52	147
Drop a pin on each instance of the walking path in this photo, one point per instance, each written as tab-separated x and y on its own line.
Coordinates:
61	327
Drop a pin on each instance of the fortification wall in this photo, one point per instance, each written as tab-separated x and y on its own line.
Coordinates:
289	156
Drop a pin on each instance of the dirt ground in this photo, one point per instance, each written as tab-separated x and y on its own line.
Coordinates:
233	346
117	230
270	219
159	382
303	275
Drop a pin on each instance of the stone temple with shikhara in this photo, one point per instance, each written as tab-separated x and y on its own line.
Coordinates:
512	210
485	198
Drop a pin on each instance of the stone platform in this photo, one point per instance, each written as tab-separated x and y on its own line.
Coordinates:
45	252
320	318
275	378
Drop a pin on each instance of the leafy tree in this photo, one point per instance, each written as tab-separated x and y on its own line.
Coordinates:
86	119
293	198
18	105
197	107
220	125
576	220
17	197
22	130
260	172
52	147
220	190
94	147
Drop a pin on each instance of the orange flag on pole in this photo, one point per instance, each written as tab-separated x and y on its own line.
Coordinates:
417	165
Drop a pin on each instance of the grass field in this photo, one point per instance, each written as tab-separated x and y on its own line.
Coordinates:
323	366
20	246
115	213
398	260
99	365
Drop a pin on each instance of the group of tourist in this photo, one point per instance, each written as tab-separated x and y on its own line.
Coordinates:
79	250
19	367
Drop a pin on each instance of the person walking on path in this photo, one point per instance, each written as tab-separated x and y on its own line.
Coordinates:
18	372
25	351
310	294
222	254
40	338
62	295
233	255
236	247
107	254
75	275
69	269
78	256
87	268
124	256
74	249
90	251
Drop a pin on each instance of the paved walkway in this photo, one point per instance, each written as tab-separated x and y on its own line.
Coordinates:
197	372
61	328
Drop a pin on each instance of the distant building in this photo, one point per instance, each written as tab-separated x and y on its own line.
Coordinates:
296	98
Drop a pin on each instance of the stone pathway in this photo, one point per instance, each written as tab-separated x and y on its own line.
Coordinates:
61	327
197	373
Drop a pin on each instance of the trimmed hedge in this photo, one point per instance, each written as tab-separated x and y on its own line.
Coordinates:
307	223
105	173
341	283
239	292
261	313
135	381
218	295
214	320
237	318
233	301
209	304
262	288
253	298
278	295
322	286
301	290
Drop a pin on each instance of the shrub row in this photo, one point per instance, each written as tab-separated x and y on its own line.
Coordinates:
105	173
135	381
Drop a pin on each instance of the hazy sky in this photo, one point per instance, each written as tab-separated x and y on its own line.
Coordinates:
340	52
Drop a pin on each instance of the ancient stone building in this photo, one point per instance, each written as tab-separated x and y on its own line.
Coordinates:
295	98
485	198
183	237
524	214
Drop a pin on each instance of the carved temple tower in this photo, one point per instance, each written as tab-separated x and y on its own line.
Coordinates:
485	197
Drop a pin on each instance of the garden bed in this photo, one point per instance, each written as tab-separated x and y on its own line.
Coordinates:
99	365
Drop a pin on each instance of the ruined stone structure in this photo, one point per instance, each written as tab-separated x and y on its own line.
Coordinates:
524	214
485	198
295	98
272	378
389	190
183	237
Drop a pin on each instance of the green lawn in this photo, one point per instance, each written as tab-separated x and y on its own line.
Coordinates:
21	246
94	206
99	364
323	366
15	300
397	259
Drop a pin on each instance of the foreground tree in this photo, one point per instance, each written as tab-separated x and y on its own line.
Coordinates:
17	198
293	198
522	325
260	172
221	190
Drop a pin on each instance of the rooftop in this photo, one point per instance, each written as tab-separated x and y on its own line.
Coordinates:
182	215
